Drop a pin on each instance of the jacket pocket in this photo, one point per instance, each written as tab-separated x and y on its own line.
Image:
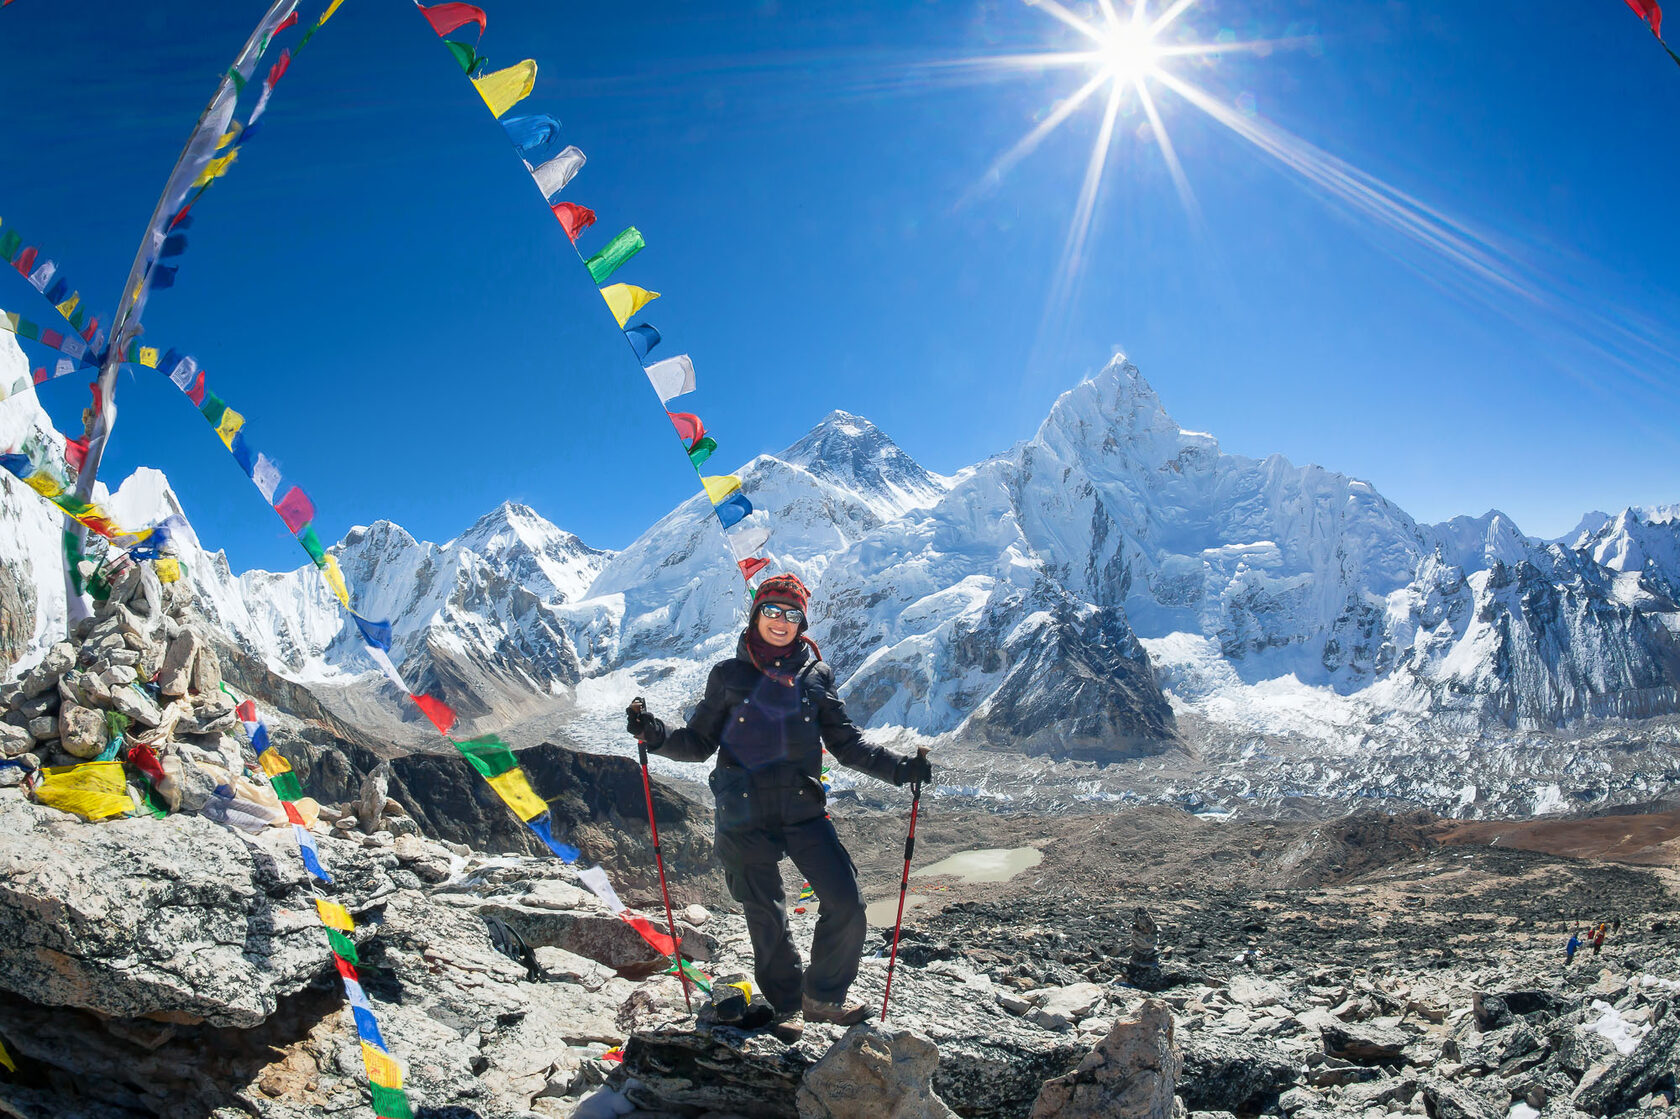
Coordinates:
732	796
804	800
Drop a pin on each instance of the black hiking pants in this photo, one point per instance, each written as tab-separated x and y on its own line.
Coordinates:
751	860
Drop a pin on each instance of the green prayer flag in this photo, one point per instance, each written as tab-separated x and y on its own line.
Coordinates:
390	1103
619	250
286	786
214	408
312	544
238	80
702	450
73	556
342	946
77	320
465	55
489	755
10	243
27	329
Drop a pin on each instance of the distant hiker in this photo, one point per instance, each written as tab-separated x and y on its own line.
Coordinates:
767	714
1598	939
1616	925
1570	949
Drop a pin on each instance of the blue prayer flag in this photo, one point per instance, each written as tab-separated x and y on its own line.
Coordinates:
531	132
732	511
367	1028
57	293
567	853
259	738
242	453
643	338
174	245
18	464
163	277
377	634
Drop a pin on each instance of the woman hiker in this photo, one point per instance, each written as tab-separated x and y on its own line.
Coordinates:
767	714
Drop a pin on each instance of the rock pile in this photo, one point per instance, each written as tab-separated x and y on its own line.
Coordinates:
136	674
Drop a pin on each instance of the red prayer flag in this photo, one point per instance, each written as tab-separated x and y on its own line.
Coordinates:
688	426
39	375
246	712
51	338
289	21
574	219
752	566
278	70
661	942
75	452
293	814
1650	12
295	509
98	399
196	393
141	757
25	260
345	969
91	330
445	18
439	712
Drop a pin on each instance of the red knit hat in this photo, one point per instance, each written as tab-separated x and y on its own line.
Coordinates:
784	590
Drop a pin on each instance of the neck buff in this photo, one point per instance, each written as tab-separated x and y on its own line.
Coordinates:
793	656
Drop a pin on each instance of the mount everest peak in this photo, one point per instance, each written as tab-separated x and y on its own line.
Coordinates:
1079	595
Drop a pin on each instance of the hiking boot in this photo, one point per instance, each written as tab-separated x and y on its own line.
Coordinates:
788	1028
848	1015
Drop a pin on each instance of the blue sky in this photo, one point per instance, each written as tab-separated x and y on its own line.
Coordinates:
378	286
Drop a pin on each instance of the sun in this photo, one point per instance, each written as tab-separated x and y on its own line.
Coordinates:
1129	52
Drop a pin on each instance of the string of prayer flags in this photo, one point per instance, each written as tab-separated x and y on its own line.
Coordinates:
445	18
615	255
57	292
553	175
504	89
701	980
745	545
672	377
574	219
718	487
531	132
625	300
41	478
595	879
643	338
385	1081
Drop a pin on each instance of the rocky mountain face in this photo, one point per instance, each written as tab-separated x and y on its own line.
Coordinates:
1077	597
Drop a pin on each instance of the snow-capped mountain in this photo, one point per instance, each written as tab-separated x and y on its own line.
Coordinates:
1088	593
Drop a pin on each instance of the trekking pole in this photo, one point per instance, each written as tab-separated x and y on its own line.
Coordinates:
904	882
659	861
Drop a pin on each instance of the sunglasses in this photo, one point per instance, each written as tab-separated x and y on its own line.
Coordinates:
772	611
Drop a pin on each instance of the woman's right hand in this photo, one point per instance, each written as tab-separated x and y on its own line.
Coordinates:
635	716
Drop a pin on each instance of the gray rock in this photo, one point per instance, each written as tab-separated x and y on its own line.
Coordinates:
82	730
1364	1043
14	740
42	703
1442	1100
1225	1074
137	705
1131	1074
370	803
44	676
175	674
43	727
870	1073
1628	1079
207	671
84	688
706	1068
1061	1007
118	676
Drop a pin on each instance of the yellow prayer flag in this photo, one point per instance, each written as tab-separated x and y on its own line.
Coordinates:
229	427
334	915
149	356
381	1069
272	763
215	169
229	136
167	568
335	580
328	14
44	484
68	307
513	788
506	88
6	1059
720	486
93	791
626	299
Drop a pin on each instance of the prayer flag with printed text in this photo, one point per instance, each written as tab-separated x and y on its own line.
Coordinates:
513	788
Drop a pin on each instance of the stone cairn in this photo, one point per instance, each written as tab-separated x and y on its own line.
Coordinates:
138	659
